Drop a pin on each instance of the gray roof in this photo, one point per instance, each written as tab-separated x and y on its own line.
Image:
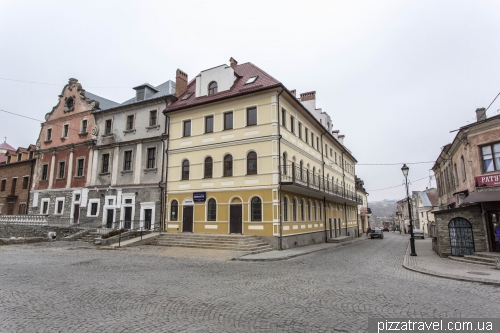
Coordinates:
164	89
425	199
146	85
103	102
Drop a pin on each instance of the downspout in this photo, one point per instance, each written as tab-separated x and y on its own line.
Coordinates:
167	133
280	242
343	191
161	185
324	198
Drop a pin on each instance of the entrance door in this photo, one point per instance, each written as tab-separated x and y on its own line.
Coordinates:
127	218
461	238
147	218
235	219
76	213
109	218
494	221
10	208
331	229
187	219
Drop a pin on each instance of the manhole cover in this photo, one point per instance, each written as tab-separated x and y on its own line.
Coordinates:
479	273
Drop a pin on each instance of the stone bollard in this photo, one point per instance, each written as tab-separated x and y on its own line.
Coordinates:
498	262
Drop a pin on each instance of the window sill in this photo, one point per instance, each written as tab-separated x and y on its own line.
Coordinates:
47	141
64	138
127	171
79	177
104	173
149	170
152	127
44	180
61	178
108	135
129	131
83	133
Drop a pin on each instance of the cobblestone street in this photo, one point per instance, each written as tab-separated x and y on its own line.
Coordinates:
65	287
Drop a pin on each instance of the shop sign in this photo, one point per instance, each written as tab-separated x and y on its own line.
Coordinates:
187	201
200	196
487	180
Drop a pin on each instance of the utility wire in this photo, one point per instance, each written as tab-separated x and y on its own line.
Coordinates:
395	163
493	101
380	189
41	121
54	84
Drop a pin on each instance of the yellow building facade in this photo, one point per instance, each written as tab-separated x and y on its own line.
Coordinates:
246	156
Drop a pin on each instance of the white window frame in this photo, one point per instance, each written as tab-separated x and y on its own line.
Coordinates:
76	166
47	200
106	206
59	169
128	196
89	207
59	199
63	128
147	205
47	139
81	126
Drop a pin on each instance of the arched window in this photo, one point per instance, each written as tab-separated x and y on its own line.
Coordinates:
315	210
301	167
185	170
464	175
251	163
294	212
208	167
228	166
212	210
309	210
284	163
174	209
256	209
285	209
314	176
302	204
212	88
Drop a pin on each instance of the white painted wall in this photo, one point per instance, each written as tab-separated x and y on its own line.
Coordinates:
223	75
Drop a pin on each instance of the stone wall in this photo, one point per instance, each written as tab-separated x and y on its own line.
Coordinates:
14	230
471	214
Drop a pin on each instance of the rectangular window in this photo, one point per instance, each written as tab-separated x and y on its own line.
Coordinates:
335	157
187	128
4	183
25	182
228	120
151	157
60	204
312	139
326	150
79	167
152	118
300	130
31	155
105	163
45	207
49	134
292	124
65	130
127	161
84	126
283	117
331	152
130	122
107	128
19	157
491	157
251	116
13	187
317	144
62	166
209	124
93	208
45	169
22	208
8	159
306	135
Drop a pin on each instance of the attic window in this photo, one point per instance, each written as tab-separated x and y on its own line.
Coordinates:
212	88
252	79
186	97
140	94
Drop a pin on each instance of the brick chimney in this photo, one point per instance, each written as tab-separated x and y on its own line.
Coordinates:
181	82
481	114
335	134
233	62
308	96
293	92
308	99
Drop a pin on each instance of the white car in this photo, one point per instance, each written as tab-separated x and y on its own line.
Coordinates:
418	233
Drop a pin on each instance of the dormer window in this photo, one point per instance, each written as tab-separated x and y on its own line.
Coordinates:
140	94
252	79
212	88
19	157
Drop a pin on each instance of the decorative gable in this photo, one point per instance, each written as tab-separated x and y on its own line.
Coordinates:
223	76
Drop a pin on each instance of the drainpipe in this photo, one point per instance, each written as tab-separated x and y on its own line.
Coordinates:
280	243
324	218
343	191
323	168
167	133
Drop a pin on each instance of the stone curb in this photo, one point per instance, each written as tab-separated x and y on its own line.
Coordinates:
407	266
334	245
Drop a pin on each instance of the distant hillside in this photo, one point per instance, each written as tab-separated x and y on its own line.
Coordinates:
384	208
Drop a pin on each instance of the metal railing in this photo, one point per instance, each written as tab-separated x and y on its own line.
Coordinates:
306	178
140	228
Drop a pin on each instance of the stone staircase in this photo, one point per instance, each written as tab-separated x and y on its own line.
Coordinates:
247	243
88	237
481	258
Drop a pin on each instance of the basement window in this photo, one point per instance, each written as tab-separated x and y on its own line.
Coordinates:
252	79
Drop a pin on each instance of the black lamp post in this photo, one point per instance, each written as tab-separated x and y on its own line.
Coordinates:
405	170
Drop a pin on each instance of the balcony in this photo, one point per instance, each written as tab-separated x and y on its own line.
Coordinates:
300	180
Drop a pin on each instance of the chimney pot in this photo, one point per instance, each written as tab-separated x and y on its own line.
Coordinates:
480	114
308	96
181	81
233	62
293	92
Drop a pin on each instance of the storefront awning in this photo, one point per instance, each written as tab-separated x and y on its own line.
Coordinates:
482	197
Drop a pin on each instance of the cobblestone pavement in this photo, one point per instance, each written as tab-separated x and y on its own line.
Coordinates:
65	287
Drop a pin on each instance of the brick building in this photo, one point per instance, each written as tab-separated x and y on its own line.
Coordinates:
16	175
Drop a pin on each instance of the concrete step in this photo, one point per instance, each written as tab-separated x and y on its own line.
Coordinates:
491	255
219	247
480	258
471	261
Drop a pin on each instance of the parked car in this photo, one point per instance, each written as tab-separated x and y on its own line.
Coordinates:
377	233
418	233
386	229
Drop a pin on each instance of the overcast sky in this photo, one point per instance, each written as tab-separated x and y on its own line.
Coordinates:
395	76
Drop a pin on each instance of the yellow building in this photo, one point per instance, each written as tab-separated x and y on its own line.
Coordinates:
246	156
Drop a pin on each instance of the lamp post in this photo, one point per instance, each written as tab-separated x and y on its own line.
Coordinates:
405	170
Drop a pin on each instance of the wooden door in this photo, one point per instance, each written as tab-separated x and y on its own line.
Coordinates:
187	219
76	213
235	219
127	219
109	218
147	218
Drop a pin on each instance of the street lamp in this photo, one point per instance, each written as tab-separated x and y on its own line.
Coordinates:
405	170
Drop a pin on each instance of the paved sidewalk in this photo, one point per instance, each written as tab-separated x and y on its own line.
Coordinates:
429	262
295	252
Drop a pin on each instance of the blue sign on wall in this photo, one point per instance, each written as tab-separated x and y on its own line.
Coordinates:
200	196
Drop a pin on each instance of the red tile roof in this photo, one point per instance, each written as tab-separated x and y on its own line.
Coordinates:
244	72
